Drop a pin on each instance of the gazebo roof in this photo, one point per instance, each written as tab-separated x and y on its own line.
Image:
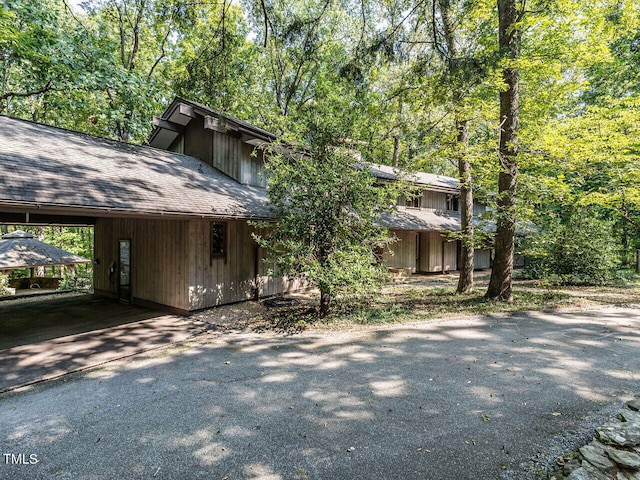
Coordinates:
20	249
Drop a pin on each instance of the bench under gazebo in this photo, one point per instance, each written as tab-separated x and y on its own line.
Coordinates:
21	250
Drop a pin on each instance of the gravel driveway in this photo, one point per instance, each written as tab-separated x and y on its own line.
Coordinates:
480	398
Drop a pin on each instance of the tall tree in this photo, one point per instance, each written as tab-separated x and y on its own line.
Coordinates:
455	68
501	284
37	56
327	210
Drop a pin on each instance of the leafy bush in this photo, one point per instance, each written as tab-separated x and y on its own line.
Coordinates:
4	284
580	249
82	280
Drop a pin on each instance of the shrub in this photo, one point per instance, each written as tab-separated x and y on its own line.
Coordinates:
580	249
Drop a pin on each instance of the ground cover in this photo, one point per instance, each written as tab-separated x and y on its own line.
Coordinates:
418	298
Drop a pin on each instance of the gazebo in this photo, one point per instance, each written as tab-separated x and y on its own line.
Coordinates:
21	249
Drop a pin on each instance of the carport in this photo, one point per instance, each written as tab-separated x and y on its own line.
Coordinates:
42	339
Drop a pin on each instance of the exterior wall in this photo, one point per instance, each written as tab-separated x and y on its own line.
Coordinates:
437	254
232	278
197	141
478	208
482	259
171	263
159	250
429	200
434	200
404	251
234	157
220	280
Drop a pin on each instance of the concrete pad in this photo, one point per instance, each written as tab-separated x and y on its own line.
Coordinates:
49	338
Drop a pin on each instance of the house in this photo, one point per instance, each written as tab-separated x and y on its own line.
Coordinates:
169	229
171	219
420	224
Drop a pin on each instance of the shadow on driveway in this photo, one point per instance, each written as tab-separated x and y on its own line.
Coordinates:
47	338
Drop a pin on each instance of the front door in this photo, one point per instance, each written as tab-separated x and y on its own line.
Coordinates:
124	277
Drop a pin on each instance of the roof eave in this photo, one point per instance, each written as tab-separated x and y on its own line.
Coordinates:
103	212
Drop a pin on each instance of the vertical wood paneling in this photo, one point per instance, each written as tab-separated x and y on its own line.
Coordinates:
171	263
437	254
482	258
450	256
434	200
404	251
158	259
226	279
235	158
198	140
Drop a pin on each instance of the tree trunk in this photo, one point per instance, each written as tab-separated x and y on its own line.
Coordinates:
325	303
465	280
501	283
396	151
40	271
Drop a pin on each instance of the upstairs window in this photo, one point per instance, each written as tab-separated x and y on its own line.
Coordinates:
413	202
453	202
218	240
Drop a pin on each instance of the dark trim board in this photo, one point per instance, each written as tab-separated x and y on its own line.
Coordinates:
15	218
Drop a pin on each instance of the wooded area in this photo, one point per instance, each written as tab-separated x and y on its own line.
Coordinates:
484	91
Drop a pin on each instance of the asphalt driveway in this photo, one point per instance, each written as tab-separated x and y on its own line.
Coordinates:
482	398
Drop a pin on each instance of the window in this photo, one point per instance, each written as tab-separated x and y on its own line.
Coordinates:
453	202
413	202
218	240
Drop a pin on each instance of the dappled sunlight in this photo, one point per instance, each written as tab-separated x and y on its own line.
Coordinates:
469	334
279	377
624	375
55	428
260	472
487	394
57	336
316	404
146	380
211	454
392	387
367	357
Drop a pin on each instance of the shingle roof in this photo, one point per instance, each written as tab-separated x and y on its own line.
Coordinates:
53	167
21	250
415	219
390	173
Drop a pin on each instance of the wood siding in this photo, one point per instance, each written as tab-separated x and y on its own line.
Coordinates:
429	200
437	254
159	251
198	141
482	259
171	263
402	254
232	278
220	280
235	158
434	200
479	209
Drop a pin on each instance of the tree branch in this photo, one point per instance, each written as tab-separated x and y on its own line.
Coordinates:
48	87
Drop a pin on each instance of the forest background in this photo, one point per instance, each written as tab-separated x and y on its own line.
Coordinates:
399	77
